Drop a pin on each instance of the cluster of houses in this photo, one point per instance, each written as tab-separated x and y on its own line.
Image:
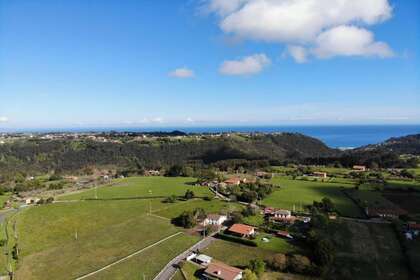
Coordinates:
215	269
283	216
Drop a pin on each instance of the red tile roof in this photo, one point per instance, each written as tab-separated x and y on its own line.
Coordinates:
241	229
233	181
222	271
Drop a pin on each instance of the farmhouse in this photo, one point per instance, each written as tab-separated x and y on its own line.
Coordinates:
234	181
222	271
320	174
214	219
32	200
152	173
264	175
283	214
242	230
359	168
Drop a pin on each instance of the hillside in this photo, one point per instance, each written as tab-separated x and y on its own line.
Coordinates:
40	155
409	144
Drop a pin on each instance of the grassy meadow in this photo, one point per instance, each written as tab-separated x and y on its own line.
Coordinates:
298	193
132	187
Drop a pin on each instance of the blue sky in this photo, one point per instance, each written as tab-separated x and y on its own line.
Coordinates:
216	62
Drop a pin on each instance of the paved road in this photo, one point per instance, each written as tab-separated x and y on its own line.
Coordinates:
170	269
4	213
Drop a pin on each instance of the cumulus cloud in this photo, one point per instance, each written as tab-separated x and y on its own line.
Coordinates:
296	22
3	119
298	53
182	73
249	65
349	41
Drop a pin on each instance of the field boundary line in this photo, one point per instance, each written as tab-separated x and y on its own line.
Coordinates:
127	257
157	216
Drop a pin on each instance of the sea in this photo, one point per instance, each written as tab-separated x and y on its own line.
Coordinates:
343	137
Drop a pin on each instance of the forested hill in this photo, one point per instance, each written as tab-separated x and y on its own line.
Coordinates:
409	144
39	155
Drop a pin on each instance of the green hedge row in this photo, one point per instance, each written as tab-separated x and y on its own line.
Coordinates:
236	239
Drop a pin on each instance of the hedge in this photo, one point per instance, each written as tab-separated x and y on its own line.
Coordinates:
236	239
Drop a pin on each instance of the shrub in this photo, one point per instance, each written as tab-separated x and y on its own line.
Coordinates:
236	239
278	262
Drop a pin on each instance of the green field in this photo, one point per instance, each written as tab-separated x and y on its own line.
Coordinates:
65	240
172	210
74	237
148	263
298	193
133	187
239	255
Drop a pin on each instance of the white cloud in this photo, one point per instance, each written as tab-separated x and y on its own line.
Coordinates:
4	119
182	73
349	41
296	22
246	66
298	53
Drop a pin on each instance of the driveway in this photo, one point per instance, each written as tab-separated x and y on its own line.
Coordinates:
170	269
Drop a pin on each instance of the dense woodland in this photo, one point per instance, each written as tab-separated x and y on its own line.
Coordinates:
37	156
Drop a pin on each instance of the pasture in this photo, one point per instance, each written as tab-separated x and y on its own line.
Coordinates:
140	187
65	240
295	194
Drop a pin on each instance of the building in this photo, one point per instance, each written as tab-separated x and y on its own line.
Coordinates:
234	181
242	230
152	173
320	174
413	226
264	175
32	200
218	270
202	259
359	168
214	219
284	214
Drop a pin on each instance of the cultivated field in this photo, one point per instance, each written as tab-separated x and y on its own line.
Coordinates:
371	251
298	193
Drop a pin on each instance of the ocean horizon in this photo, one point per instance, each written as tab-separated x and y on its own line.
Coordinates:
335	136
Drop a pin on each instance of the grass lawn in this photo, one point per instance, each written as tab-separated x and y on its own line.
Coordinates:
190	270
141	187
297	193
275	244
3	199
65	240
402	184
256	220
172	210
149	263
236	254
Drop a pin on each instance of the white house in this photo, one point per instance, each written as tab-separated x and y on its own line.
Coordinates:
284	214
214	220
